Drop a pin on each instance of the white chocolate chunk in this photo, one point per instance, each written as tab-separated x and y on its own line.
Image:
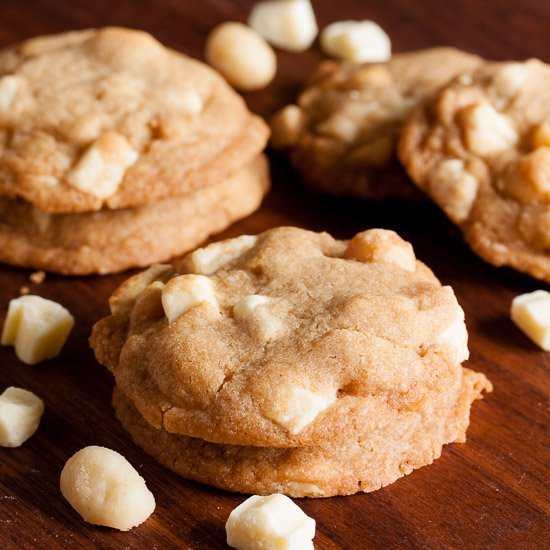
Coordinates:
20	414
531	313
509	80
381	245
453	188
356	41
295	408
287	24
213	257
309	489
9	86
272	522
488	132
246	306
105	489
103	165
36	327
241	55
455	338
184	292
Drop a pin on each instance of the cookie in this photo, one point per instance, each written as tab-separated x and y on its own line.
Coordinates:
110	118
481	150
408	440
343	130
113	240
286	339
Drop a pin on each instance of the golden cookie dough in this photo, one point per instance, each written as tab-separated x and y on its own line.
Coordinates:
406	440
113	240
344	128
110	118
287	339
481	150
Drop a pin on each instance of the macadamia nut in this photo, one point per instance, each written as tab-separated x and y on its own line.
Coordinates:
105	489
241	55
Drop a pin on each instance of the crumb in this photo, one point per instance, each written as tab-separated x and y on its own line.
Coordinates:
24	290
37	277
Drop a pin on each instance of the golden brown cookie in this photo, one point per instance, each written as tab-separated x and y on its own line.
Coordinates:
287	339
113	240
110	118
481	150
345	125
408	440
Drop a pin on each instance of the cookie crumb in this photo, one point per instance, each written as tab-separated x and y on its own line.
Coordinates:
37	278
24	290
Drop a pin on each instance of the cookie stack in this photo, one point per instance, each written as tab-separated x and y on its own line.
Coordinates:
291	362
473	135
117	152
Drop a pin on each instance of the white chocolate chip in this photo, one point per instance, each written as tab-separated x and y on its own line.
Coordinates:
510	79
188	102
269	522
103	165
213	257
36	327
455	337
295	408
105	489
20	414
309	489
184	292
287	24
381	245
356	41
487	132
241	55
246	306
286	126
260	321
454	189
9	86
531	313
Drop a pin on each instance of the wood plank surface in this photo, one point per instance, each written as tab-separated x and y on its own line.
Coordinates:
489	493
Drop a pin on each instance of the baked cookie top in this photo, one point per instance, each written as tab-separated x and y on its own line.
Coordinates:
481	150
111	118
289	338
346	122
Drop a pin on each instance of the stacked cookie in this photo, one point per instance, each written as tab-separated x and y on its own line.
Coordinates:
473	135
117	152
291	362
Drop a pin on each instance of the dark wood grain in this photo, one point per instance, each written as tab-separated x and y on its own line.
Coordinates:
490	493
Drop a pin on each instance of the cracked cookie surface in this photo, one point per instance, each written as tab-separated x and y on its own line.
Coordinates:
481	150
286	339
345	125
114	240
406	441
110	118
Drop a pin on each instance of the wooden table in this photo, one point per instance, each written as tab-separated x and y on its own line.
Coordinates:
489	493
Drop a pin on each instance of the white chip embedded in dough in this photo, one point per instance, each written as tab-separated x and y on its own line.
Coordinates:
184	292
